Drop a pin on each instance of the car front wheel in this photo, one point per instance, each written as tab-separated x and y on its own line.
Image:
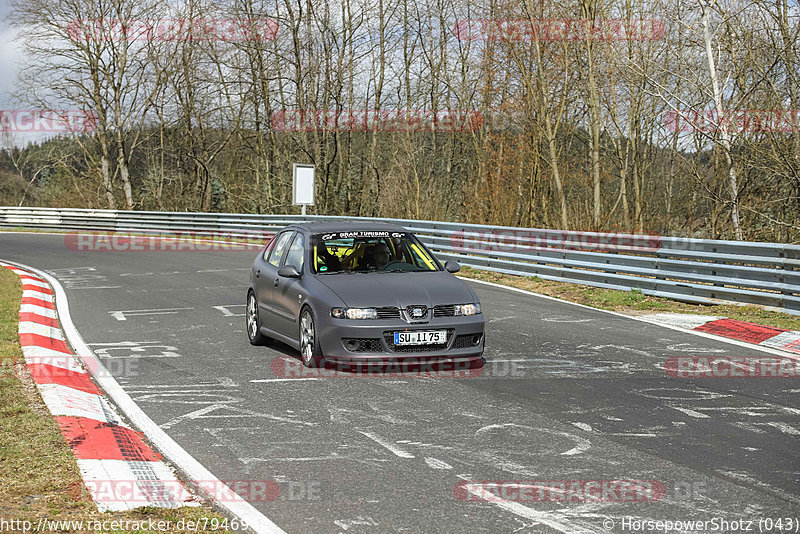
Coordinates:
253	321
310	352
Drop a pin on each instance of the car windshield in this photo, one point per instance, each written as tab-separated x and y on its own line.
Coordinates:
370	252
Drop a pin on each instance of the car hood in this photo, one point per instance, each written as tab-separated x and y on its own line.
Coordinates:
398	289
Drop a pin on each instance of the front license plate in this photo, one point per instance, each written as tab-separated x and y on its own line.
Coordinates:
427	337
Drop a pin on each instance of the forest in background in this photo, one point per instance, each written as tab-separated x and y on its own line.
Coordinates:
569	133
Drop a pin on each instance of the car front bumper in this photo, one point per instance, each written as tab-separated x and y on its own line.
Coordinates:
349	340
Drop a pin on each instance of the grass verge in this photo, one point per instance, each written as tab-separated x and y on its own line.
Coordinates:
38	473
633	302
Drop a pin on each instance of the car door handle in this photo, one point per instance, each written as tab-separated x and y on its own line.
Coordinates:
277	280
258	274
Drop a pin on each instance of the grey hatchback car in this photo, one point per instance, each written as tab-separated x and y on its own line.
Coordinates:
351	292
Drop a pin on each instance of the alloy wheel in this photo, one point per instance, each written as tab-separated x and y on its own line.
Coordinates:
307	337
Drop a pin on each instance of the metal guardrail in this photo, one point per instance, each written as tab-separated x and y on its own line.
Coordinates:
693	270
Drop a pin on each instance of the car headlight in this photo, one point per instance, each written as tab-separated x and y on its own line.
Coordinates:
466	309
354	313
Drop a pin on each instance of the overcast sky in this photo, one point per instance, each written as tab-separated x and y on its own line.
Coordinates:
9	56
10	62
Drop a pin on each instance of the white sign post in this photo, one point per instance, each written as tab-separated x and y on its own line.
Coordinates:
302	185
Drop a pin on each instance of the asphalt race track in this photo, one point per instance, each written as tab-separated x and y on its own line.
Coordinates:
568	393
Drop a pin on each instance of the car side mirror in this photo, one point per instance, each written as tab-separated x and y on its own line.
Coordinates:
452	266
289	271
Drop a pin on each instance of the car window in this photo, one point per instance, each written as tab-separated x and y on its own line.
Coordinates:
279	248
295	254
369	251
269	247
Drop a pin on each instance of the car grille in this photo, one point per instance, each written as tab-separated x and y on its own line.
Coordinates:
410	315
466	340
388	337
388	312
448	310
362	344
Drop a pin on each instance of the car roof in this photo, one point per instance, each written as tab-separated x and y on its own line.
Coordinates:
333	225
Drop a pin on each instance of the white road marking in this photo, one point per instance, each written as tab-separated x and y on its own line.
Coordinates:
435	463
582	445
122	315
201	385
747	478
688	347
280	380
669	394
192	397
134	389
333	456
167	273
690	412
229	412
135	349
359	520
226	312
751	411
622	348
82	278
565	319
583	426
95	287
345	416
553	520
389	446
786	429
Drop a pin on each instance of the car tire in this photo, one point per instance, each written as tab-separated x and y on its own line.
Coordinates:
310	352
253	322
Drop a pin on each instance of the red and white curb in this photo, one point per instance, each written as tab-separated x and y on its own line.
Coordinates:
757	334
53	351
105	448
